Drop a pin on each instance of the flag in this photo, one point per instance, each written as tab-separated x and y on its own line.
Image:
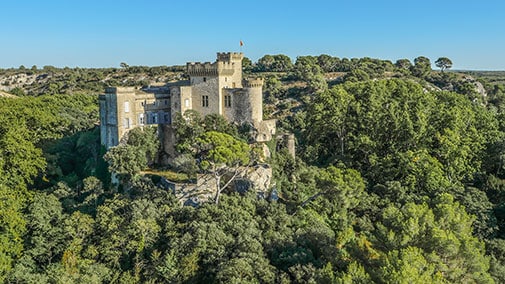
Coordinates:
241	43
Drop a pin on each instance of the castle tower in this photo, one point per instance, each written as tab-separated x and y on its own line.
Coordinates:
231	60
254	90
208	80
117	114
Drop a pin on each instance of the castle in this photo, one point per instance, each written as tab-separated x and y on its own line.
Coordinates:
212	88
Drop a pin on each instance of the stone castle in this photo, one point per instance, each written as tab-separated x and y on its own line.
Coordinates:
212	88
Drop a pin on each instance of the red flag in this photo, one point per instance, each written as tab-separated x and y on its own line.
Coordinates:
241	43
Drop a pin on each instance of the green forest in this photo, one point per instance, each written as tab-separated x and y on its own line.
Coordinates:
399	177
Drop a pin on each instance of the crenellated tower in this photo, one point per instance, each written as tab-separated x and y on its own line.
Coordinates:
208	80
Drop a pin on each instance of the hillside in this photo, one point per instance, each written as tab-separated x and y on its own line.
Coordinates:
51	80
399	177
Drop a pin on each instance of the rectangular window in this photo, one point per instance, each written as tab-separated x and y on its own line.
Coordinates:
155	118
141	118
126	106
227	101
126	123
186	102
205	101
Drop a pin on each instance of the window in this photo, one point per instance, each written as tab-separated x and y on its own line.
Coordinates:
186	102
226	79
205	79
227	101
126	123
126	106
155	118
166	118
166	102
141	118
205	101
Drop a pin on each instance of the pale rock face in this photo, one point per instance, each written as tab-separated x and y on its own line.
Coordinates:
480	88
258	178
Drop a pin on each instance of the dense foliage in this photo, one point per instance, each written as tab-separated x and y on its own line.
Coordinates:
399	178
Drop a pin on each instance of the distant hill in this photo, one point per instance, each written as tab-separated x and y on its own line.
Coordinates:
51	80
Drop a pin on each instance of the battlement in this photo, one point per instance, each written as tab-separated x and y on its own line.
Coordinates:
201	69
230	56
210	69
119	90
253	83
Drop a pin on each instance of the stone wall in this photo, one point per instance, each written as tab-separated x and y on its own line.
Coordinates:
193	193
206	86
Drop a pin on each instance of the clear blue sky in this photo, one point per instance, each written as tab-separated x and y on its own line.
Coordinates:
104	33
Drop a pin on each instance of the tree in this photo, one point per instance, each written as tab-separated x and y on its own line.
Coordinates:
20	159
12	227
124	65
188	127
46	240
329	121
408	265
443	234
275	63
404	65
307	69
17	91
126	160
422	67
328	63
443	63
246	64
147	140
220	154
282	63
358	122
216	122
265	63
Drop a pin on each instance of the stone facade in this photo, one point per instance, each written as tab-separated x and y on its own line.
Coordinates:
124	108
212	88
